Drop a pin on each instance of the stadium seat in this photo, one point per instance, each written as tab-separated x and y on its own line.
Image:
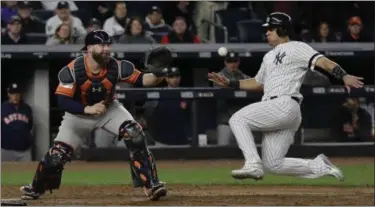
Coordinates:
228	18
250	30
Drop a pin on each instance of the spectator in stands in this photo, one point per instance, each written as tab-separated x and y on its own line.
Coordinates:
354	122
93	24
181	9
16	127
115	25
227	108
155	24
134	33
62	36
324	33
305	34
30	24
180	33
63	15
354	33
101	11
9	10
168	120
51	5
14	34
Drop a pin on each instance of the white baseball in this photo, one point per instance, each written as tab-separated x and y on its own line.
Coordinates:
222	51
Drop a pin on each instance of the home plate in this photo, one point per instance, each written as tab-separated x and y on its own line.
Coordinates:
13	202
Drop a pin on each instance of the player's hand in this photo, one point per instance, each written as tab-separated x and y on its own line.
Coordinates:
218	79
96	109
352	81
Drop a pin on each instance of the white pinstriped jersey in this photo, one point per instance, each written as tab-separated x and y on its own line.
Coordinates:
284	67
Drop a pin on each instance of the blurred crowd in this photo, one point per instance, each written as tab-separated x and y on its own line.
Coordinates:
67	22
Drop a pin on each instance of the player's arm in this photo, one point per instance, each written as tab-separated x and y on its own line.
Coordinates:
65	92
128	73
245	84
255	84
310	58
339	73
150	79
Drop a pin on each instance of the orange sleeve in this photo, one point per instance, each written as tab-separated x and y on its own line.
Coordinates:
133	77
67	89
164	39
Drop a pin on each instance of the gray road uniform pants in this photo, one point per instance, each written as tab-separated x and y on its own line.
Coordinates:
75	128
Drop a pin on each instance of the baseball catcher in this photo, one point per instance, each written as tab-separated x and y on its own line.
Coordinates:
86	94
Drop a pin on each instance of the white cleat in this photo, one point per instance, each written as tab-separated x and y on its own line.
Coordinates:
333	170
248	172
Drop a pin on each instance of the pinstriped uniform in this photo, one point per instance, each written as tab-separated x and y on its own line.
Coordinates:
281	73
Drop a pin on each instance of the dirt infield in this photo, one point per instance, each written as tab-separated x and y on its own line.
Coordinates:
203	195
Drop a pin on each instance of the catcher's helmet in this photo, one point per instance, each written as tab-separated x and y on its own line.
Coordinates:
97	37
282	22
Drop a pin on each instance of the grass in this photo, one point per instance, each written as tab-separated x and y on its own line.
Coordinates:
355	175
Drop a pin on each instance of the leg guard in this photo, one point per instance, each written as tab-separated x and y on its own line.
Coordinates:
49	172
142	164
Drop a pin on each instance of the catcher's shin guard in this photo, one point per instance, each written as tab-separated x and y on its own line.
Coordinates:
49	172
142	164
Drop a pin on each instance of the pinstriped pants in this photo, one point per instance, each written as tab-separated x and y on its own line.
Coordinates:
278	119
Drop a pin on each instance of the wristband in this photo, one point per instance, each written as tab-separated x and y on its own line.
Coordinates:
234	84
338	72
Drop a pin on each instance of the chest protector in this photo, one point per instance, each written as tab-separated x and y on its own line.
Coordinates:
92	89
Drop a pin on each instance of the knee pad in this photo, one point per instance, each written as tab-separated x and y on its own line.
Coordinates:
133	135
142	163
49	171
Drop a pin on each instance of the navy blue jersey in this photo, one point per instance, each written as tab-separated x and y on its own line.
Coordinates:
16	125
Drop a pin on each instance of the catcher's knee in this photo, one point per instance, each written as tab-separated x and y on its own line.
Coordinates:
59	154
131	132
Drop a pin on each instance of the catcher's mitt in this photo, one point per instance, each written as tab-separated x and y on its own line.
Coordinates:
158	60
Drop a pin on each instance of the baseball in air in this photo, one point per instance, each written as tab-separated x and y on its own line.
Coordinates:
222	51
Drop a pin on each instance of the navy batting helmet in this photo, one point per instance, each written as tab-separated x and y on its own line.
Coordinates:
282	22
97	37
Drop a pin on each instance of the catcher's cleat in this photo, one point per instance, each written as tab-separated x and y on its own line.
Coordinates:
28	193
156	192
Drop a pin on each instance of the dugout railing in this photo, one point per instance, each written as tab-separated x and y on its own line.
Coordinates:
38	66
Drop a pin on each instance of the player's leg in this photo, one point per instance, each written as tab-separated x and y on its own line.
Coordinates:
274	148
143	167
263	116
49	170
103	138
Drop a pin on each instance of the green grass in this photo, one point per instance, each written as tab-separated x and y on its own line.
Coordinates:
356	175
